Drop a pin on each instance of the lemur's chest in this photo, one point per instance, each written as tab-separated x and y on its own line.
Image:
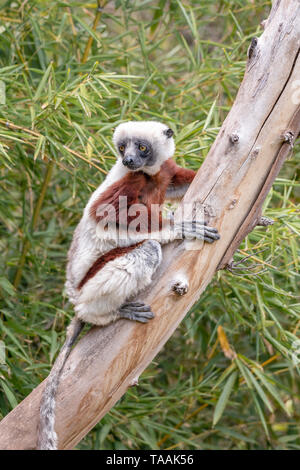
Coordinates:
137	188
152	193
153	190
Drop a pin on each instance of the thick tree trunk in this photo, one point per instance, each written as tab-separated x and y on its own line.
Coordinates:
232	184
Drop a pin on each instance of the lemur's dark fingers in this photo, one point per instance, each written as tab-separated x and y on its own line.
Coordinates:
207	231
197	225
148	315
136	306
214	235
205	228
211	229
142	317
209	237
142	308
136	311
208	240
133	304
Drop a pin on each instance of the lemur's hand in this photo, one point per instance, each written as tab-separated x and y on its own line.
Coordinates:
200	231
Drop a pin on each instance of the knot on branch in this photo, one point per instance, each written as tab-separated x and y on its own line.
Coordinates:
265	221
134	382
288	137
252	48
254	153
180	285
234	138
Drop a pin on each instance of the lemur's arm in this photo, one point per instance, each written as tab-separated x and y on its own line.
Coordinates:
180	182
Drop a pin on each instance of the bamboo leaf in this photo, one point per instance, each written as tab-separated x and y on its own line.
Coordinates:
224	397
7	286
9	394
42	84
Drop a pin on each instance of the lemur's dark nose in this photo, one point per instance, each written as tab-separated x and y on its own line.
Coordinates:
128	161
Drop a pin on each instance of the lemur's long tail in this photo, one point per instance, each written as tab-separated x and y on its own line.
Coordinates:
47	437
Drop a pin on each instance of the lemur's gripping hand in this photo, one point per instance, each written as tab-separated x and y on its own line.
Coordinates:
200	231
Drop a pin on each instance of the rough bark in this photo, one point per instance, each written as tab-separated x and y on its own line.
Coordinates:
232	184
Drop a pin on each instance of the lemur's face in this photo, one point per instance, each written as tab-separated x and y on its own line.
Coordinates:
136	153
143	145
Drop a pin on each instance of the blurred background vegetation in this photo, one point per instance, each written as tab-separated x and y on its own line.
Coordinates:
228	378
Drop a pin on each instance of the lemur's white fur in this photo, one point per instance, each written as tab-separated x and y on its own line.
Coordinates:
118	281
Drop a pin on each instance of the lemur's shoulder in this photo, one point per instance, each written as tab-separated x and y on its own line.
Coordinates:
128	186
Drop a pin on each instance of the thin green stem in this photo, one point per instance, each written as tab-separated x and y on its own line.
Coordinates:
88	46
35	216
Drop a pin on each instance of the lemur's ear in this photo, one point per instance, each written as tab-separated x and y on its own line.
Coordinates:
168	133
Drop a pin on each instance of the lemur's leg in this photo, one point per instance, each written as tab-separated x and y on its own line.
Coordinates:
105	297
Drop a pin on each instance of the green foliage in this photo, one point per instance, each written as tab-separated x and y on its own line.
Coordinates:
180	62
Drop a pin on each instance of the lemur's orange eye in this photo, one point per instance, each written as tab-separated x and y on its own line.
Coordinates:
142	148
121	148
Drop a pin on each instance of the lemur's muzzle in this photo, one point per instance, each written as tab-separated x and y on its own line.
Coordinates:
131	162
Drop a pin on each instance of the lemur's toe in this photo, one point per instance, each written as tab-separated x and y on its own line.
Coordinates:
136	306
209	240
133	304
142	317
136	311
210	229
211	234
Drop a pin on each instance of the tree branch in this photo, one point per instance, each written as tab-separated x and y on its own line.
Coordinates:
231	184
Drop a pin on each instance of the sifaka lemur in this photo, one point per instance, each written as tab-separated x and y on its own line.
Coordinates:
113	258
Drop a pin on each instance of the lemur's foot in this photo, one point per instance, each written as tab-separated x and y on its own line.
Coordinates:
200	231
137	311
